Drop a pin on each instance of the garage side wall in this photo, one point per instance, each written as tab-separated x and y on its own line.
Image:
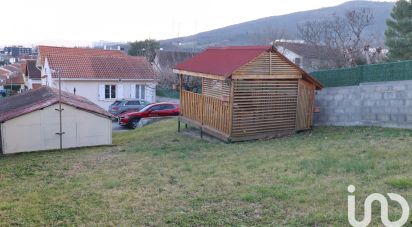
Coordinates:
37	130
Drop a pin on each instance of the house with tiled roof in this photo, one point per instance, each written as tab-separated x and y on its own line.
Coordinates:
32	74
308	57
13	75
101	76
4	74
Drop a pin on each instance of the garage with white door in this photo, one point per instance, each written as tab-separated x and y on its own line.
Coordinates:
31	122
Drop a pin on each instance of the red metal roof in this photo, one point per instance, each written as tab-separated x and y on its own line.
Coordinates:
222	61
27	102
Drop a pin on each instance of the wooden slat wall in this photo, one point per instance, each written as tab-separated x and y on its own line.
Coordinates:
306	99
215	88
216	114
264	106
190	105
268	63
206	110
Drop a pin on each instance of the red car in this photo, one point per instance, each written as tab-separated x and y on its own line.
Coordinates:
131	119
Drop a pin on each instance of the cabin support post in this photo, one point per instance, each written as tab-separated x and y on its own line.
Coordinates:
202	106
180	97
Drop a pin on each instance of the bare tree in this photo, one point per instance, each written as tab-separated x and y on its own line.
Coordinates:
267	35
341	35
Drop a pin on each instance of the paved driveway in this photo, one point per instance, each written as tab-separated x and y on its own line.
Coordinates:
117	127
143	122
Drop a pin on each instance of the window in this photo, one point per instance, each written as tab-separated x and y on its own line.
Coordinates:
156	108
116	103
132	103
110	91
167	107
140	91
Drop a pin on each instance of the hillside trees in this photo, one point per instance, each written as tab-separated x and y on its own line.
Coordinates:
342	35
146	48
398	36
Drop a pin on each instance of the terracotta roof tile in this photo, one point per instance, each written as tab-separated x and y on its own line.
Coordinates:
4	72
100	67
23	65
95	63
46	50
15	74
27	102
16	79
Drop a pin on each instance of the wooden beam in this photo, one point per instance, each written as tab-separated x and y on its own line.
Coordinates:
178	125
290	76
231	96
202	75
181	85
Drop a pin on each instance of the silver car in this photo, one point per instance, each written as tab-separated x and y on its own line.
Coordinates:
125	105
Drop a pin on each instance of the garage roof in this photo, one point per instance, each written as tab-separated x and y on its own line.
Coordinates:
27	102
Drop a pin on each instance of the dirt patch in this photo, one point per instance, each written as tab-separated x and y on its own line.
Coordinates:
195	133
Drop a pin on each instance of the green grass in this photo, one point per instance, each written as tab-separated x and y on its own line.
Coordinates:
155	177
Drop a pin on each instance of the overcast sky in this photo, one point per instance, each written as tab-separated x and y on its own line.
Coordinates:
68	22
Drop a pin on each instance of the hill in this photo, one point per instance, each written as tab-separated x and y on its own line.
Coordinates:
264	30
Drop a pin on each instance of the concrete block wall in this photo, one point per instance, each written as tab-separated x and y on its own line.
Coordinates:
386	104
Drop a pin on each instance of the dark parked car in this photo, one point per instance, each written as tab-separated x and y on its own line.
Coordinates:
125	105
131	119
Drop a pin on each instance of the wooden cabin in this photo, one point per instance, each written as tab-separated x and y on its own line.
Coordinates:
245	93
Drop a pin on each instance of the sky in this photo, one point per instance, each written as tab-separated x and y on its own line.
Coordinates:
80	22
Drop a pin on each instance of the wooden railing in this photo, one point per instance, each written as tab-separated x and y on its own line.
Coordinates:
206	110
190	105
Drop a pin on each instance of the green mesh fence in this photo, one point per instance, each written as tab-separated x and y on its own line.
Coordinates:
365	73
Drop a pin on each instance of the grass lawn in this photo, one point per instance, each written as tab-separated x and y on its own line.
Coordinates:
155	176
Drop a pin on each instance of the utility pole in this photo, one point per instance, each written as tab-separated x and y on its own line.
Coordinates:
60	111
60	133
